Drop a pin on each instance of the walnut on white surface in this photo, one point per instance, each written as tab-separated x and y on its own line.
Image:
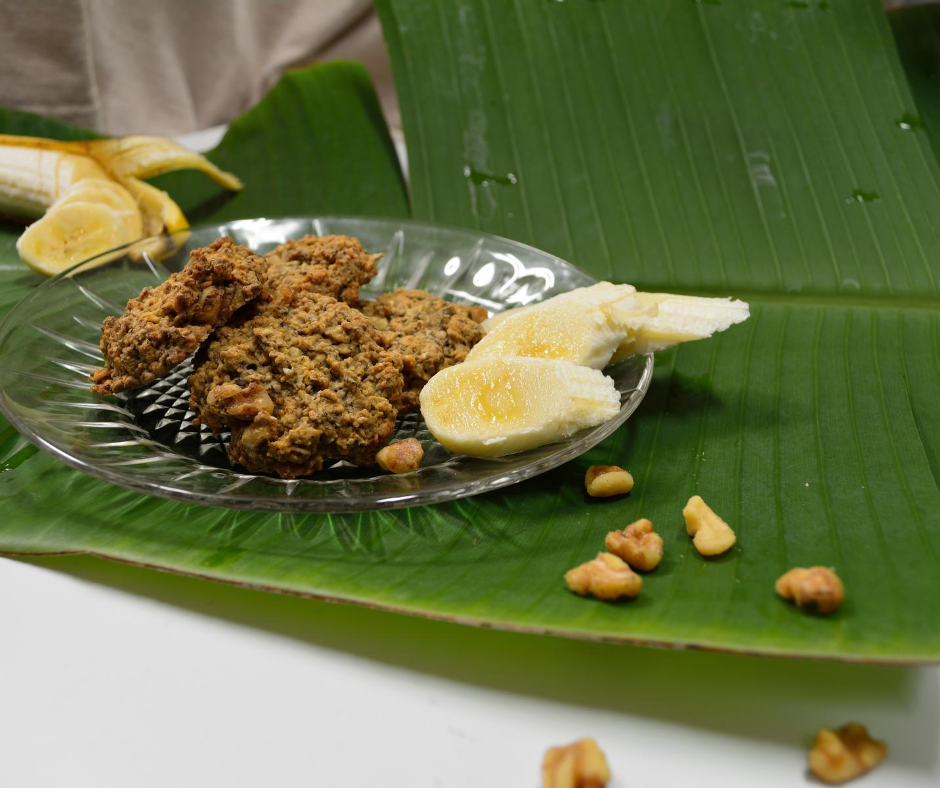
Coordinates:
603	481
710	534
577	765
817	587
844	754
637	544
605	577
401	457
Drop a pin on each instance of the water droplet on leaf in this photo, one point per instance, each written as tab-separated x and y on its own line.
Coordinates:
859	195
909	122
483	178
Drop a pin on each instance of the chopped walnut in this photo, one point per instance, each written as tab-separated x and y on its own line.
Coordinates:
577	765
602	481
816	586
637	544
605	577
401	457
844	754
710	534
240	402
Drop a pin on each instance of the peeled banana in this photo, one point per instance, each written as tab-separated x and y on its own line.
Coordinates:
496	406
89	196
674	319
657	320
534	378
584	326
32	179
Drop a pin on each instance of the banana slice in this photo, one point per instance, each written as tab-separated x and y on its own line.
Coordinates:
103	190
584	326
676	319
74	231
653	321
491	322
599	294
496	406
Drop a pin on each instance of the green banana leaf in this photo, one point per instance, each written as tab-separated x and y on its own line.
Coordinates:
917	33
749	149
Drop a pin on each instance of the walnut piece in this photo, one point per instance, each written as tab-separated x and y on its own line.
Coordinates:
401	457
577	765
817	586
602	481
637	544
844	754
239	402
710	534
605	577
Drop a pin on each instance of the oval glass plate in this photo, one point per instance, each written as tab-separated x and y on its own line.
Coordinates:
145	440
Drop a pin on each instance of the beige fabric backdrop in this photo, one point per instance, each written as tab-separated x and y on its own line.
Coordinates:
171	66
175	66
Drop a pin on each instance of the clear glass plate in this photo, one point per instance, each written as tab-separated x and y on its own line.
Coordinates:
145	440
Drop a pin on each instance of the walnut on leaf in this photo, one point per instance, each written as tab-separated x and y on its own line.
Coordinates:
637	544
603	481
605	577
817	587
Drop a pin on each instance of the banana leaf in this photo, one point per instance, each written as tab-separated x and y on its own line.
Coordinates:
917	33
749	149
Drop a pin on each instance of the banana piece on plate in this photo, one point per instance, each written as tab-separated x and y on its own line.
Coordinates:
535	377
657	320
39	178
673	319
584	326
496	406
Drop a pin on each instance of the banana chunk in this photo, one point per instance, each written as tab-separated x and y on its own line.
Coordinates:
676	319
495	406
648	322
99	190
75	231
584	326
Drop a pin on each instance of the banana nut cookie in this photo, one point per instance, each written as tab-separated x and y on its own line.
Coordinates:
298	380
333	265
429	333
162	326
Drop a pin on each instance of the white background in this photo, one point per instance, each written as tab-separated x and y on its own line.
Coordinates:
114	676
119	676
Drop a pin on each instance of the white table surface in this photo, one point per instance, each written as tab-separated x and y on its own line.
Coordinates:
115	676
119	676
